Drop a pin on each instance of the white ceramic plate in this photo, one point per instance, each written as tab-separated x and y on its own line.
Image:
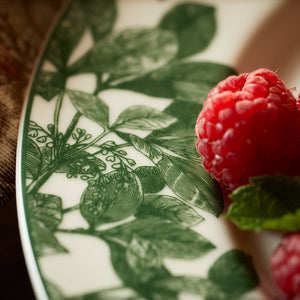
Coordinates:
112	200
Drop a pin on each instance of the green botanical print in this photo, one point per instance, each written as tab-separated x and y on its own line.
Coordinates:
152	225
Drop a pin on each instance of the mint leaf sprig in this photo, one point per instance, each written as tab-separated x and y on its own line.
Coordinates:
268	203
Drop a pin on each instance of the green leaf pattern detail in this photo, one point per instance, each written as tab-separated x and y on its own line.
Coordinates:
143	118
185	81
193	24
47	209
99	16
171	239
144	212
90	106
143	258
111	199
168	208
147	149
66	36
129	52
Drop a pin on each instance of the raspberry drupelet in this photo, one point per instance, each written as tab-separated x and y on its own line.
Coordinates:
249	126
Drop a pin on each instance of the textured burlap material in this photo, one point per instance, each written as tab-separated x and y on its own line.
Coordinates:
23	26
11	95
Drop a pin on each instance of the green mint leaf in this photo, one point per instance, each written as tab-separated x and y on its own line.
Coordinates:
270	202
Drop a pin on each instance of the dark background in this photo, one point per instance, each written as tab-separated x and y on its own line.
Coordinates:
14	280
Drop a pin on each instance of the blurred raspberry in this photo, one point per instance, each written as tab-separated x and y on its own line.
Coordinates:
249	126
285	265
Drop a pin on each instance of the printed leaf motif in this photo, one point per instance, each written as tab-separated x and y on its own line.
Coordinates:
146	148
66	36
208	187
191	285
177	180
234	273
33	160
119	293
83	164
45	208
168	208
92	107
143	258
186	81
150	178
199	191
157	293
171	239
131	51
81	14
53	291
182	146
270	202
143	118
99	16
128	275
44	241
176	130
49	84
116	197
194	25
186	113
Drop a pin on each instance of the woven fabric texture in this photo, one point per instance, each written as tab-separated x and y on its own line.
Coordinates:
23	26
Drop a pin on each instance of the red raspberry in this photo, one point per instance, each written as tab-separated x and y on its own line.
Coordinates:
249	126
285	265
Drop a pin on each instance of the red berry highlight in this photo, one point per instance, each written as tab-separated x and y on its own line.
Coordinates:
249	126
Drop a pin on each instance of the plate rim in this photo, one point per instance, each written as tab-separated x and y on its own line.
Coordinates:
31	262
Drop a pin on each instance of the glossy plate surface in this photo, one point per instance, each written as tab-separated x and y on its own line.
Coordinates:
112	200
